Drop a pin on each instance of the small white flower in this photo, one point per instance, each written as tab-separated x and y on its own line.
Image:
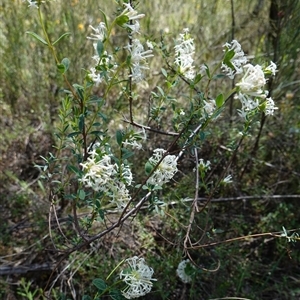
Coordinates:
165	170
238	60
184	52
209	106
95	77
100	32
253	81
271	69
138	278
182	270
107	64
248	104
132	141
149	44
270	107
205	166
131	13
32	3
227	179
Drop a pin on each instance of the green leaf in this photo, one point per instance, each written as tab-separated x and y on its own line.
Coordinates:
73	169
197	78
36	36
104	17
99	284
148	168
100	48
119	137
217	76
164	72
63	66
81	194
75	133
126	153
219	100
86	297
81	123
228	56
97	132
207	71
116	295
121	20
79	90
161	91
101	214
61	37
66	62
98	203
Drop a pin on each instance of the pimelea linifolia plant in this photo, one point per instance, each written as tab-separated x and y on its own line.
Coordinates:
93	170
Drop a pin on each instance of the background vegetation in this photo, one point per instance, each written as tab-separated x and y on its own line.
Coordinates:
263	197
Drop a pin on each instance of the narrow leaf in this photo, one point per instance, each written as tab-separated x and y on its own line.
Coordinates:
36	36
73	169
119	137
219	100
164	72
100	48
81	194
81	123
62	36
74	133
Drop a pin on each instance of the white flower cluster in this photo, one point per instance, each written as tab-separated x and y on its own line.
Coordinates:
133	16
251	92
237	61
184	52
132	141
182	270
100	32
138	278
251	88
104	64
165	170
138	59
138	54
203	166
209	107
101	174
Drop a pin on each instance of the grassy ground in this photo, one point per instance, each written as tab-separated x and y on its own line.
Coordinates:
268	164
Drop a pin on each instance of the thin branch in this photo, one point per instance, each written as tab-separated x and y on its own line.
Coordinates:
194	205
151	129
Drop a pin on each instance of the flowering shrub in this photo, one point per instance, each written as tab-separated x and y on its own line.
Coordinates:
95	171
